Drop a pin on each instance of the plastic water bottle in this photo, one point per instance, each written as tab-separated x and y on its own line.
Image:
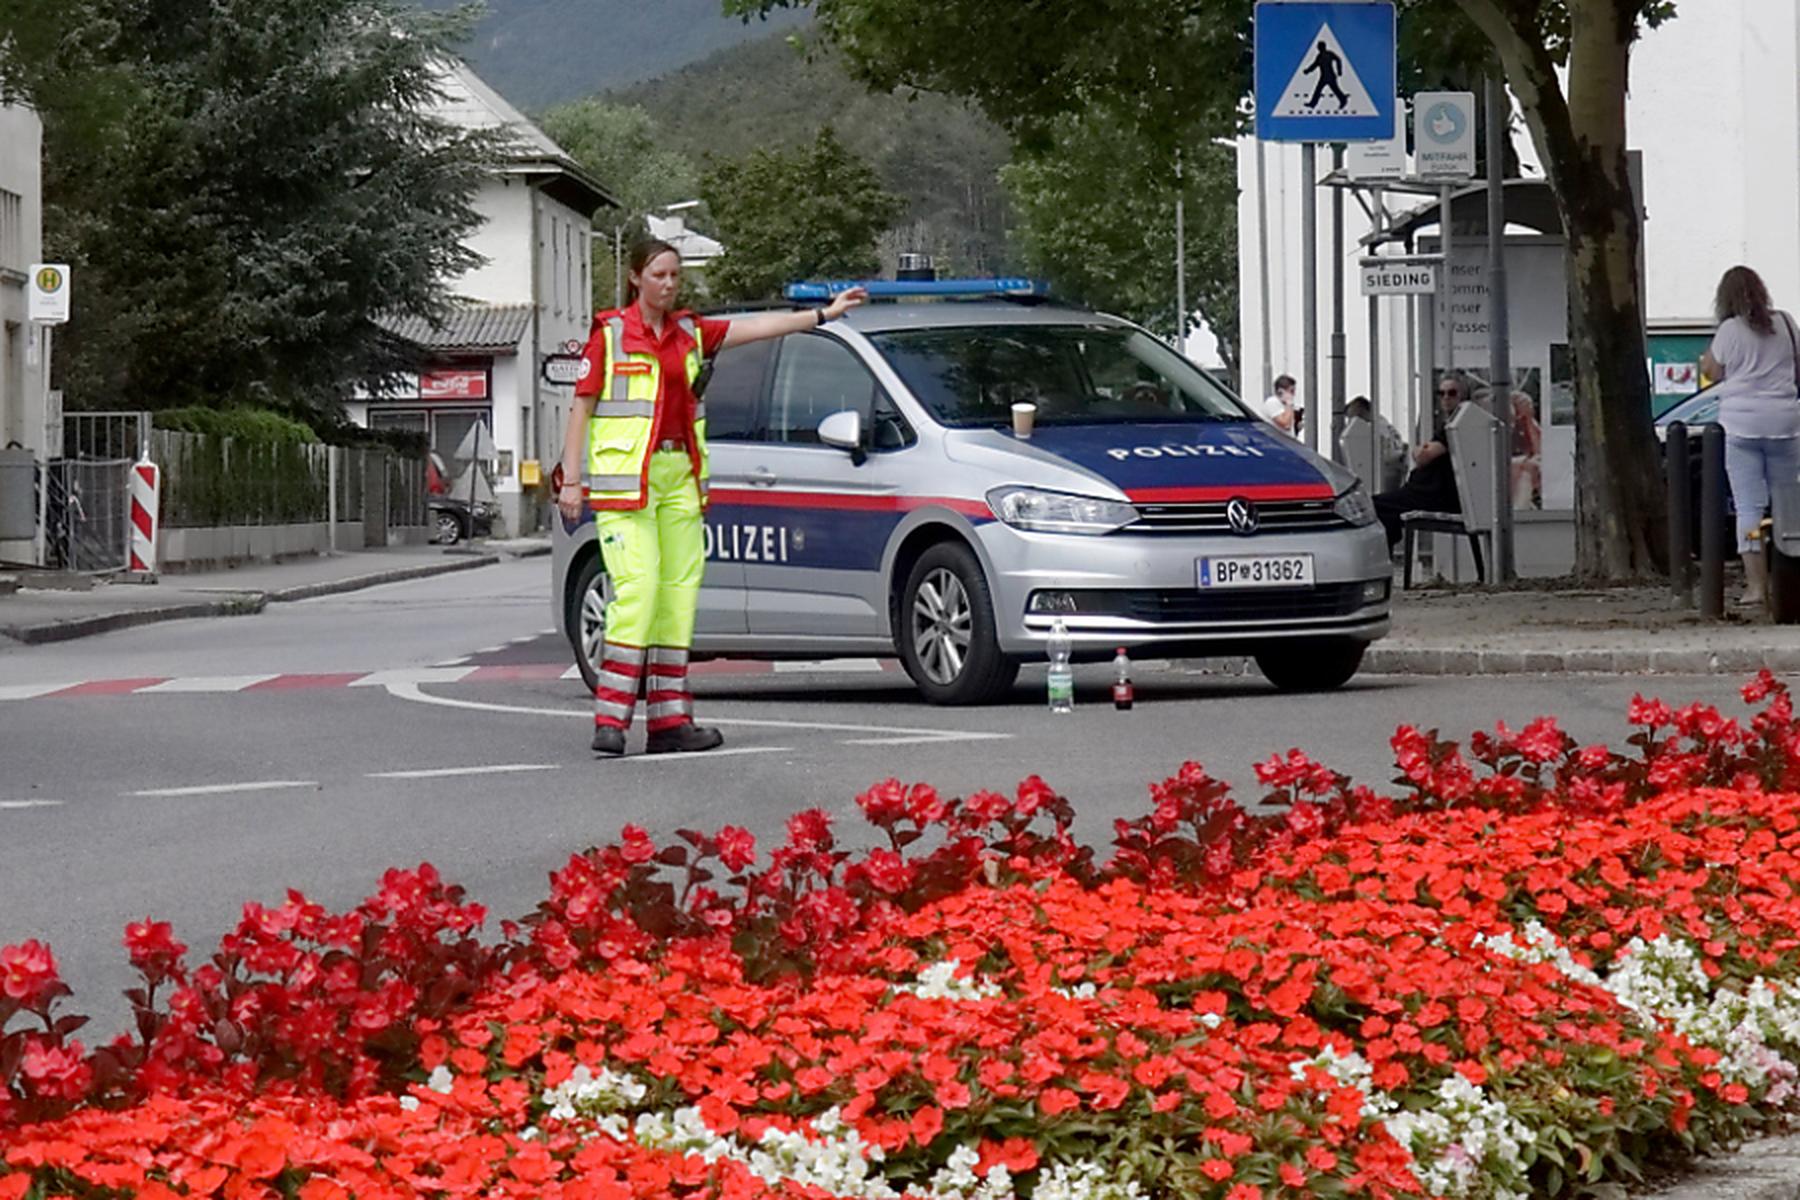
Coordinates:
1062	675
1123	693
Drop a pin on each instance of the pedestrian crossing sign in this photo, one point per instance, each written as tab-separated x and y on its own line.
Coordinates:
1324	72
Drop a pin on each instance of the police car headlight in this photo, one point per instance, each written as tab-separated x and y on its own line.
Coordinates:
1355	506
1058	512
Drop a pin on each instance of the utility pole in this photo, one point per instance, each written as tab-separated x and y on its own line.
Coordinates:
1499	332
1181	309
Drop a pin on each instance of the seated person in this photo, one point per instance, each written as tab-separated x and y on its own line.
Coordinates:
1527	454
1432	485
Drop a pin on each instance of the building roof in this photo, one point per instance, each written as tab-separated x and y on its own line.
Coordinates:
470	103
695	248
468	328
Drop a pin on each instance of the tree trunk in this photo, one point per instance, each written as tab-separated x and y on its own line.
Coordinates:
1620	515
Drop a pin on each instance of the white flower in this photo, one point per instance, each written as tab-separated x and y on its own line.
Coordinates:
441	1081
586	1094
939	982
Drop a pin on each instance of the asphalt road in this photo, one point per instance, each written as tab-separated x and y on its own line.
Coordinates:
183	804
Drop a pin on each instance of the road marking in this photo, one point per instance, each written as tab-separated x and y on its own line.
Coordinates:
572	673
651	758
31	691
895	734
448	772
223	789
847	665
414	675
29	803
206	683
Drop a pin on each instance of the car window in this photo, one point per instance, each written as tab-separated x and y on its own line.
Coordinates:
733	392
815	377
970	376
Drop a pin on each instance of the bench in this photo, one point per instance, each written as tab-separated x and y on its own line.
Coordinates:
1471	446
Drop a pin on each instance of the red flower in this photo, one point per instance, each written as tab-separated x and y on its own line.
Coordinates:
27	972
635	845
737	848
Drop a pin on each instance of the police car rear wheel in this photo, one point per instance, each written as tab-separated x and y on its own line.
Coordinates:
586	619
946	631
449	529
1315	666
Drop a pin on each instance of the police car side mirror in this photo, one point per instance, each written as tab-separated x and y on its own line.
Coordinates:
844	430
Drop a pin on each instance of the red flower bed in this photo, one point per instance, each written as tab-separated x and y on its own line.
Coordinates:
1533	966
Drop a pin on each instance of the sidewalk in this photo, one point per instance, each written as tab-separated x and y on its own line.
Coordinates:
1531	629
34	613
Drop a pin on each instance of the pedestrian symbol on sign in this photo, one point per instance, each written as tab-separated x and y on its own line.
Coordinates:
1323	69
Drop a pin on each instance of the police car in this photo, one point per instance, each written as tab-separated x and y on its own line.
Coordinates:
869	496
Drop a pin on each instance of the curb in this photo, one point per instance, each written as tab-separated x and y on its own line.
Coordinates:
355	583
1766	1169
241	605
1436	660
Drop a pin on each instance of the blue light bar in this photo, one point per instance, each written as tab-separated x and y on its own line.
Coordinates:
908	289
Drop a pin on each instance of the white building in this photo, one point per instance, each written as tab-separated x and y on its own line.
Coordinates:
22	393
1714	113
531	297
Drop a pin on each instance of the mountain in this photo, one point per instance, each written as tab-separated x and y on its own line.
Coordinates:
941	156
541	52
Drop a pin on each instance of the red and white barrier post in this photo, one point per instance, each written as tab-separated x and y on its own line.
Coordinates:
146	499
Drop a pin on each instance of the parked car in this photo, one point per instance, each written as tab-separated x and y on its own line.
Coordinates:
869	496
456	522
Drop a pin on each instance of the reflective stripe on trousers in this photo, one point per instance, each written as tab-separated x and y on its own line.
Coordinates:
655	557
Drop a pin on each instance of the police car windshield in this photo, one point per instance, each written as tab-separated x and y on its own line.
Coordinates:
971	376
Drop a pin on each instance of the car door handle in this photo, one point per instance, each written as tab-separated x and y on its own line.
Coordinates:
762	477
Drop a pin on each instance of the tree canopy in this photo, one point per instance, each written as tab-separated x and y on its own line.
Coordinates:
1096	216
243	185
815	212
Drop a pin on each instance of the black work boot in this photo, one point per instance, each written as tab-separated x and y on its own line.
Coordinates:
608	740
683	739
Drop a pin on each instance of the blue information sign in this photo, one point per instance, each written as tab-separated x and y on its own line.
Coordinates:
1324	72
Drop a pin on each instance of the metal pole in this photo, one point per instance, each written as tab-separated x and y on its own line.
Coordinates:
1499	335
1337	311
1446	337
40	545
1414	356
1677	463
1262	263
331	502
618	266
1712	522
1375	484
1181	310
1309	287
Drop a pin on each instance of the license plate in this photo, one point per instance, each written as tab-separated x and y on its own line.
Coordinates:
1255	571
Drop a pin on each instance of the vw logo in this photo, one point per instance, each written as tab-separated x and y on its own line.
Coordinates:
1242	515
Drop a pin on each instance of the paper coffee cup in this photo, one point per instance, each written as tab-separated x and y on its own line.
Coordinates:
1024	413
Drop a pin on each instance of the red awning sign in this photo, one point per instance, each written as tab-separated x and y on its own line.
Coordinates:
453	385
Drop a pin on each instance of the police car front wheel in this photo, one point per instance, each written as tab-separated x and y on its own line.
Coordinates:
946	634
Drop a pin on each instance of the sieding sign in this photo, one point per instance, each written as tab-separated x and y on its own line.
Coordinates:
1410	279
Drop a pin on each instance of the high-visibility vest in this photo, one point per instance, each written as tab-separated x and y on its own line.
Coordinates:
618	440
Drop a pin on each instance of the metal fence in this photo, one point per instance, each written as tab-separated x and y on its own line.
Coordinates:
406	492
87	519
113	435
